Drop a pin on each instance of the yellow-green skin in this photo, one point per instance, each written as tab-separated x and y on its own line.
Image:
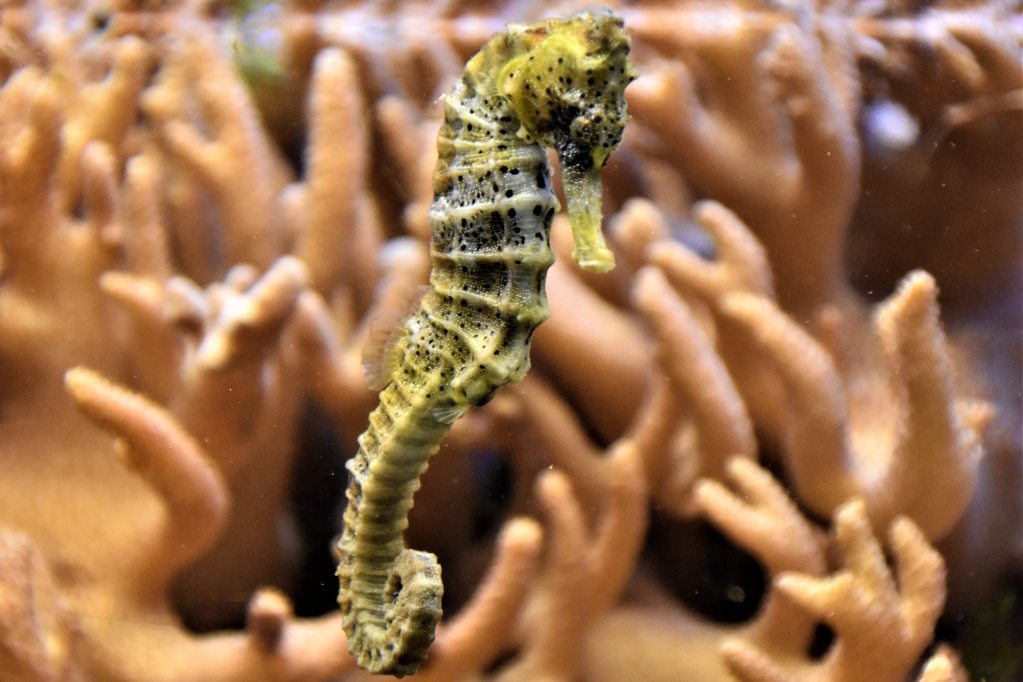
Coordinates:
559	84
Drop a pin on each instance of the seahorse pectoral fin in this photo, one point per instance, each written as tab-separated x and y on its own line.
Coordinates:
582	188
449	414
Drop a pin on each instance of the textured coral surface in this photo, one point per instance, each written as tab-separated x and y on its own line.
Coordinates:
780	441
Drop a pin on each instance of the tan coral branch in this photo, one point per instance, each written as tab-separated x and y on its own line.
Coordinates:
39	634
943	445
917	456
584	571
338	149
168	459
882	622
703	384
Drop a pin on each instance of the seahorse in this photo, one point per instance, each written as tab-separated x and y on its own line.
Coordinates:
560	84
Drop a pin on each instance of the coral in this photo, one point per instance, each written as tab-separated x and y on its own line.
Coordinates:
875	637
880	629
207	215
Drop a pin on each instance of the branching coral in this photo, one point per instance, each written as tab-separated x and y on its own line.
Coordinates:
793	108
880	627
89	618
870	642
875	637
218	256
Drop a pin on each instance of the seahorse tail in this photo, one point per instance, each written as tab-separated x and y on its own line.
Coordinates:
390	596
398	645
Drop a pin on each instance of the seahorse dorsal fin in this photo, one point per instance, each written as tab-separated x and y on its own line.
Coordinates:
382	353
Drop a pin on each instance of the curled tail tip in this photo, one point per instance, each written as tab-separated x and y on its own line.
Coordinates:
398	645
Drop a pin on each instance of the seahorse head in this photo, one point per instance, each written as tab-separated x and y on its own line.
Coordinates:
568	89
568	86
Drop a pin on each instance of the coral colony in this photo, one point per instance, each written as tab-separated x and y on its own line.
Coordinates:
780	440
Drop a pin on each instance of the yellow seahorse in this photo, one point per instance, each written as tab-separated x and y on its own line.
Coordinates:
560	84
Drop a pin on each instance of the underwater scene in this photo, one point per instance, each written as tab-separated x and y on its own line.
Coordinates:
511	341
